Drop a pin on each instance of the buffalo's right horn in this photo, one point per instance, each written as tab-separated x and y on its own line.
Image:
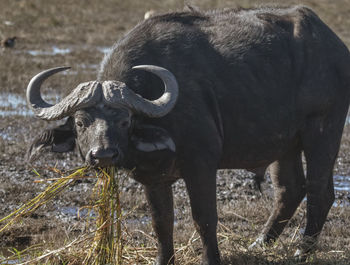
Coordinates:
86	94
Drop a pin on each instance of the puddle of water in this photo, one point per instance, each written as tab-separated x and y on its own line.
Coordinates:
89	66
54	51
142	220
4	113
12	104
12	261
74	211
341	204
5	136
11	100
341	183
70	72
103	49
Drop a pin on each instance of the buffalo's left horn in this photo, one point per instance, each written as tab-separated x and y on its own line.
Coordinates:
84	95
151	108
163	105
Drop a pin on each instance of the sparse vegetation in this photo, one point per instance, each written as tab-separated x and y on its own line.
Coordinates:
106	246
82	30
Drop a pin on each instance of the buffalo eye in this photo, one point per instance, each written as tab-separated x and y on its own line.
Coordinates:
80	124
124	124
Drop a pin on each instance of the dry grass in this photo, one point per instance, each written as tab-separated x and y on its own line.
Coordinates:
47	195
105	246
238	226
236	231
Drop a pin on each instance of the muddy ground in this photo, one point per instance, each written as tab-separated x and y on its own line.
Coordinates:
78	33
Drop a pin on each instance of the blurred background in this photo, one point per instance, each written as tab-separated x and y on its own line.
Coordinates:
77	33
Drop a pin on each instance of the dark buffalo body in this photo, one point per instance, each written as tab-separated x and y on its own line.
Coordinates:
255	87
248	79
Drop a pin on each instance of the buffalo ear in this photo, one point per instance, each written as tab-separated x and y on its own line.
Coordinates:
147	138
60	139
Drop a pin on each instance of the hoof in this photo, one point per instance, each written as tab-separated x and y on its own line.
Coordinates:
305	248
258	244
300	256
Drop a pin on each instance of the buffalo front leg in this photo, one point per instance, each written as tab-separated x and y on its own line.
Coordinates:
201	187
160	199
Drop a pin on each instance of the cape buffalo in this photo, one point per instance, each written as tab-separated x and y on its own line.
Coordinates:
244	88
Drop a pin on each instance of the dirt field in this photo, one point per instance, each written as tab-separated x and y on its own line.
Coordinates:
78	33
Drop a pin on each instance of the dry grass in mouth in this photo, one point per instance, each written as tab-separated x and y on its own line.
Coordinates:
107	247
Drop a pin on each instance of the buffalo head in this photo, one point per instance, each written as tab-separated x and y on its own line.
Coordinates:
101	118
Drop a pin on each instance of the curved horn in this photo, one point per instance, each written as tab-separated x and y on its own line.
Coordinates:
151	108
84	95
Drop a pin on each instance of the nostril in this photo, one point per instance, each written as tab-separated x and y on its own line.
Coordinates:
115	154
91	158
94	154
103	157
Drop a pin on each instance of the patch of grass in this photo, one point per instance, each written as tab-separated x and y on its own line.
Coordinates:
51	192
106	245
83	25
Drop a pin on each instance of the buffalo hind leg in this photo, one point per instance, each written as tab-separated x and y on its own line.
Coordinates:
321	141
160	199
259	176
201	186
289	189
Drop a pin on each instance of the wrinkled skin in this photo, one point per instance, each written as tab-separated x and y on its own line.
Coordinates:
256	87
